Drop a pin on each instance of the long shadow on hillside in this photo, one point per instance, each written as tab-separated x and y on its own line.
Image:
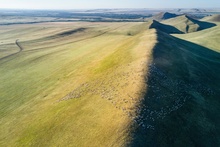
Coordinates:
202	24
181	107
165	28
67	33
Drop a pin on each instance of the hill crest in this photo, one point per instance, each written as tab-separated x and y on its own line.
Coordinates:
214	18
164	16
186	24
163	27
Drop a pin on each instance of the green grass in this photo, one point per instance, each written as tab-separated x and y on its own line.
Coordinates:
34	81
85	88
187	24
163	27
208	38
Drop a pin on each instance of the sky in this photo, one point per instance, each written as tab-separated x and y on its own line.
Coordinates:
94	4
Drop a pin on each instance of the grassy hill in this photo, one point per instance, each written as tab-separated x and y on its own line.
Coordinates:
213	18
181	106
71	86
163	16
163	27
110	84
208	38
187	24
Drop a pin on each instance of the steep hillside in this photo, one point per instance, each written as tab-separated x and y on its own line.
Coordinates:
208	38
187	24
181	106
163	27
213	18
164	16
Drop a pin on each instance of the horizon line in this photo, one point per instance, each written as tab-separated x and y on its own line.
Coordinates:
108	8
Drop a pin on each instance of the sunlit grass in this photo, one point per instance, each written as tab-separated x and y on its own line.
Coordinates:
34	82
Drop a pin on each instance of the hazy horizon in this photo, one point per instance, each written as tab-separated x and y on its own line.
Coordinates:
98	4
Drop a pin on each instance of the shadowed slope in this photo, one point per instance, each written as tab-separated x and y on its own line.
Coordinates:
181	106
70	32
164	16
162	27
187	24
208	38
214	18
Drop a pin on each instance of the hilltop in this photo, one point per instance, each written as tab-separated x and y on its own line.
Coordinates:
163	16
213	18
163	27
187	24
208	38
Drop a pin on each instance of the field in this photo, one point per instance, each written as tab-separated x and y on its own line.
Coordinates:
110	84
66	78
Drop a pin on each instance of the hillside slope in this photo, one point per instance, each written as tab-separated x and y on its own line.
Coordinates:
163	27
187	24
213	18
71	86
163	16
208	38
107	84
181	106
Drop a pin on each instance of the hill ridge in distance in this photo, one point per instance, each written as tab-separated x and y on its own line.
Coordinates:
212	18
163	27
186	24
163	16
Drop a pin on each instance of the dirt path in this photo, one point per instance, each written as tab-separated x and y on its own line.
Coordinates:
19	46
20	50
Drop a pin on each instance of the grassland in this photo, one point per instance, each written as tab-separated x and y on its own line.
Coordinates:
208	38
70	86
181	105
162	16
163	27
187	24
212	18
109	84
